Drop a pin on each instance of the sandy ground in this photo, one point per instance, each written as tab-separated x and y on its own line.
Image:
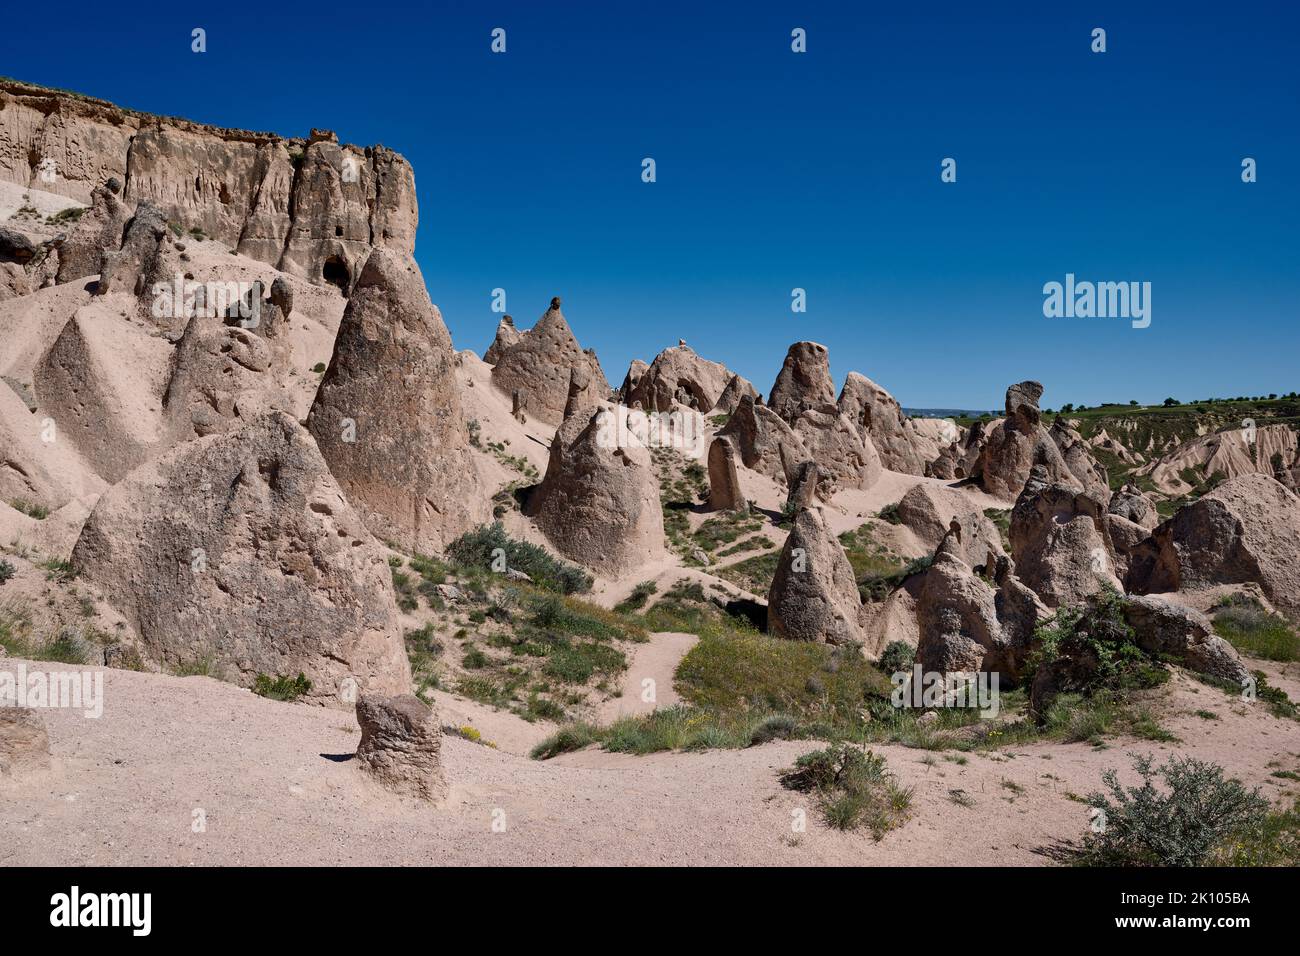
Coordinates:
654	662
275	785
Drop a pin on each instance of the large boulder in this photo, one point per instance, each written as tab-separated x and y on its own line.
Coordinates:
1132	504
598	503
804	381
678	376
129	268
541	365
240	549
401	744
814	594
879	416
767	444
1246	529
724	480
387	415
928	510
1017	444
736	389
1166	629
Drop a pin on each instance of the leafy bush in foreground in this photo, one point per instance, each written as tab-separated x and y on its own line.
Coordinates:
481	547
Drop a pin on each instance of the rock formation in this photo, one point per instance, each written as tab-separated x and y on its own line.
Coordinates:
1078	458
507	335
1167	630
928	510
804	382
736	389
766	443
1131	503
309	207
878	415
678	376
240	549
814	595
636	368
541	364
401	744
1272	450
724	479
845	456
102	227
1018	443
598	503
387	415
1246	529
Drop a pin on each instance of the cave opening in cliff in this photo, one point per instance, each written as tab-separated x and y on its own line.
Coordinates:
335	272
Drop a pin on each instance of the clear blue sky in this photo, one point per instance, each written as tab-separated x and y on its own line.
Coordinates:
778	170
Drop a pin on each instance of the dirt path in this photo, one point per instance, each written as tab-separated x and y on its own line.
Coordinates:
655	662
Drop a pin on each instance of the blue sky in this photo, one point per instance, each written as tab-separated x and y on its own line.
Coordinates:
779	170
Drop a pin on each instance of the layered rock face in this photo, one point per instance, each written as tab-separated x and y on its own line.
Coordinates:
401	744
310	207
678	376
541	364
814	594
879	416
598	503
804	381
1268	450
387	415
240	548
1246	529
1017	444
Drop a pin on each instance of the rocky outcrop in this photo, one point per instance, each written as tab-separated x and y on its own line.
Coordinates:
34	465
814	595
1079	460
541	365
845	456
1017	444
678	376
766	443
130	268
1272	450
387	415
928	510
598	503
507	335
636	368
1060	541
804	381
1130	503
878	415
724	479
736	389
1169	630
401	744
1246	529
240	549
310	207
101	228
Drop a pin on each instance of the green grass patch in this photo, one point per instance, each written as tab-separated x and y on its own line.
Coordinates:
1245	624
281	687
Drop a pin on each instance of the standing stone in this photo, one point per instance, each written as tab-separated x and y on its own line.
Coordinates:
507	335
387	415
542	363
814	595
724	478
401	742
804	381
100	229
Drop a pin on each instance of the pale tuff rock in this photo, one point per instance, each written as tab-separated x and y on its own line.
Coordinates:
724	478
678	376
401	743
87	381
280	201
1171	630
1084	467
240	548
958	458
582	395
42	472
636	368
736	389
804	381
1017	444
814	595
598	503
1131	503
1246	529
846	457
1060	542
100	229
387	415
878	415
130	268
766	443
928	511
1272	450
806	488
507	335
24	744
541	364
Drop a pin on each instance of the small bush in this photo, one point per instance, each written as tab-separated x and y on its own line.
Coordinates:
480	548
775	727
897	657
7	571
30	508
889	514
566	739
1245	624
1196	815
281	687
638	598
852	787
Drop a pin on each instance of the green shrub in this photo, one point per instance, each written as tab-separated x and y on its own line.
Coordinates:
30	508
852	787
566	739
479	548
889	514
1245	624
7	571
281	687
638	598
897	657
1197	814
